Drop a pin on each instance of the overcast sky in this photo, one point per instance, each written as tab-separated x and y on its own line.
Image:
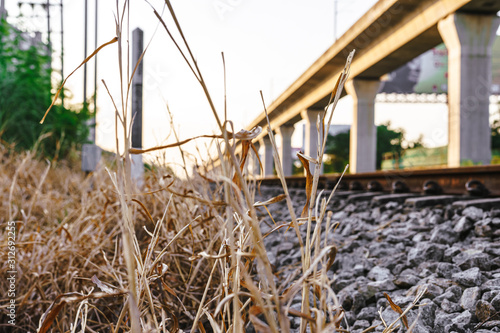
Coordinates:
267	45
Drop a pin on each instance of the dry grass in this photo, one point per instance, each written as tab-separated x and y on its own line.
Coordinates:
98	254
203	248
68	230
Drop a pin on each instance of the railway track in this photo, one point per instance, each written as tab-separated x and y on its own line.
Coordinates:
475	181
400	243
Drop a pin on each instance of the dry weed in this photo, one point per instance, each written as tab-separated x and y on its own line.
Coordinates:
97	254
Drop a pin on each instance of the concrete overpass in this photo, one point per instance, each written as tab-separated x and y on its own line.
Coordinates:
389	35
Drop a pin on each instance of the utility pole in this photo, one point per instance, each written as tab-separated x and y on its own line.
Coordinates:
2	10
46	4
85	56
137	80
335	12
62	51
49	43
91	153
95	61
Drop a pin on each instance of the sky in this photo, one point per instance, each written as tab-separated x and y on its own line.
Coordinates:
267	45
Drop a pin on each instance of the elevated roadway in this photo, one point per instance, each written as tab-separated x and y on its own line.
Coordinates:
389	35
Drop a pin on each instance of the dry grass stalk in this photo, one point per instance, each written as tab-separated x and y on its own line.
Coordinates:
96	253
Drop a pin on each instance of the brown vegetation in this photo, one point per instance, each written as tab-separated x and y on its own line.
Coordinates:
98	254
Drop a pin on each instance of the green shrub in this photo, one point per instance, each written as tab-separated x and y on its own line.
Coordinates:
25	94
337	147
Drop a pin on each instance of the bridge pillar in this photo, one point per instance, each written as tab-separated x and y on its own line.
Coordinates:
363	140
285	132
267	156
311	133
254	160
469	39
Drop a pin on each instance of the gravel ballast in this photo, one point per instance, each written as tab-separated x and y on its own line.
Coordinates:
387	246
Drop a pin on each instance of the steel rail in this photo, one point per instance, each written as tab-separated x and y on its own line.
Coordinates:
451	180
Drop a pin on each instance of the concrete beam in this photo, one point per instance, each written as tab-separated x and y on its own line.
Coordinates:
285	132
469	39
387	36
397	30
363	141
390	34
267	156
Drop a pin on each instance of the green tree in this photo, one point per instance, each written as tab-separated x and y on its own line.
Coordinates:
337	147
495	135
25	94
418	143
388	140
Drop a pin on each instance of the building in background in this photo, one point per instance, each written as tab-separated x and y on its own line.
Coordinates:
428	73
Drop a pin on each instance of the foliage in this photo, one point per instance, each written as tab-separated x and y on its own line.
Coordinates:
25	94
388	140
418	143
338	148
495	140
495	135
103	255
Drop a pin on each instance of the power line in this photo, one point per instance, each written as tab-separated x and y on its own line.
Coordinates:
46	5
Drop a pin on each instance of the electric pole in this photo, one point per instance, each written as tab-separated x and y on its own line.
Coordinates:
91	153
62	51
2	10
49	43
95	62
85	56
46	4
335	2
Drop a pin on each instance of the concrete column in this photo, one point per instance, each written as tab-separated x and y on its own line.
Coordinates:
267	156
311	134
137	167
285	132
91	155
254	160
469	39
137	80
363	140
